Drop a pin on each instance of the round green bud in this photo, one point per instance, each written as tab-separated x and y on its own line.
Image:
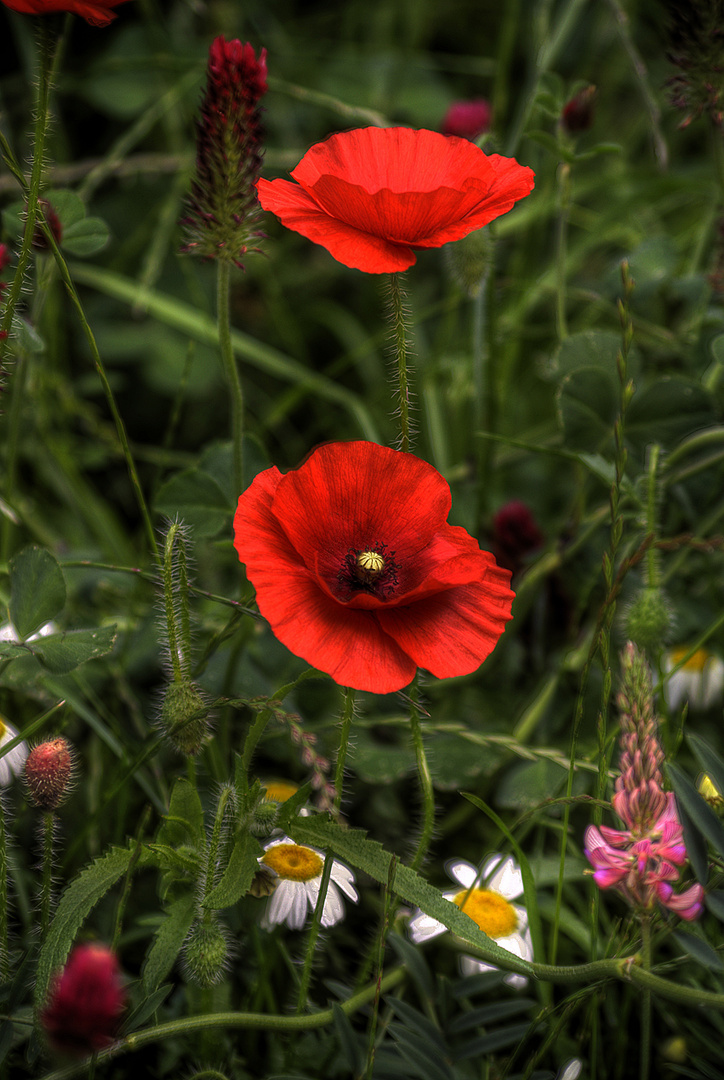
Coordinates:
206	953
265	815
184	716
648	621
468	260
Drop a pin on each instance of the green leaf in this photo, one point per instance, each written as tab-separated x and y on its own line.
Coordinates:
86	237
414	960
702	816
587	408
238	875
700	950
168	941
146	1009
37	589
184	822
667	411
589	349
61	653
292	806
26	337
709	760
77	901
196	498
348	1041
68	205
353	847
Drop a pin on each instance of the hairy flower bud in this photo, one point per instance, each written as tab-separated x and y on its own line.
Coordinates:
48	772
185	716
468	260
206	953
649	619
85	1001
223	208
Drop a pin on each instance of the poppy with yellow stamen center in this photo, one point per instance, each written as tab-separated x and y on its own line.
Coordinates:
298	873
489	907
700	681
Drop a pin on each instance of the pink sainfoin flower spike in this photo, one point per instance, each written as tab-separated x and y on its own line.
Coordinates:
223	209
644	859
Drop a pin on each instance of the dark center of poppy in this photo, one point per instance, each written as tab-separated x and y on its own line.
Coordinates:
370	569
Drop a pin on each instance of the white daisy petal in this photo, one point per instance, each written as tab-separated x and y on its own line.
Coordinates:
300	903
461	871
470	966
507	880
333	906
280	902
422	927
12	763
571	1070
344	877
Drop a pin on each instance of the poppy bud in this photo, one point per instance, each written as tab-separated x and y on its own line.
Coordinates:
85	1001
468	260
577	115
263	819
206	953
184	716
649	619
468	119
48	772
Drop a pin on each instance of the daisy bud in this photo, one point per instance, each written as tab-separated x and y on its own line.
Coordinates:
649	619
85	1001
206	953
48	773
185	716
223	207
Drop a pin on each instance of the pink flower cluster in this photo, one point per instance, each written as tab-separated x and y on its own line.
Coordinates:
644	859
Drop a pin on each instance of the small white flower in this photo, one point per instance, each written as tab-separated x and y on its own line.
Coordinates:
9	633
571	1070
298	872
12	763
700	681
485	896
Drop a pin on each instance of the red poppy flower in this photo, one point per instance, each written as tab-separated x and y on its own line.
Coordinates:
86	1000
372	195
358	572
97	12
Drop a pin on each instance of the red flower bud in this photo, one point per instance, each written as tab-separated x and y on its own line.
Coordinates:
85	1001
52	220
515	534
48	771
468	119
577	115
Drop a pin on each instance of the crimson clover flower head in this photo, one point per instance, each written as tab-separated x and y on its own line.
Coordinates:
223	211
468	119
85	1002
372	195
516	534
358	571
96	12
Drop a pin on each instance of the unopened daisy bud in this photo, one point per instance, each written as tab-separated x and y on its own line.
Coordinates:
223	207
206	953
48	773
185	716
468	260
649	619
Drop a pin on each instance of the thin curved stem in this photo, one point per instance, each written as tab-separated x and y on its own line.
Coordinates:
401	334
423	772
231	372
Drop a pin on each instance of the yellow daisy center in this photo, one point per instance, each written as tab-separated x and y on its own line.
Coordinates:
280	790
293	862
493	914
697	662
370	565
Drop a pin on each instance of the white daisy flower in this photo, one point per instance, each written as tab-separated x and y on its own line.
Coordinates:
298	872
700	681
12	763
489	907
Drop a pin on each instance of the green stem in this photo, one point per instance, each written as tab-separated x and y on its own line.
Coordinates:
423	771
176	602
231	372
212	856
645	1000
652	569
485	384
46	888
347	717
4	884
400	331
564	199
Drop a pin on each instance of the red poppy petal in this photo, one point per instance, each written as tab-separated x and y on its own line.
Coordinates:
399	159
359	250
257	535
350	496
451	632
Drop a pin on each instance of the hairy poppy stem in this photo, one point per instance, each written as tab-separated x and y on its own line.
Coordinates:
401	334
4	953
423	771
46	887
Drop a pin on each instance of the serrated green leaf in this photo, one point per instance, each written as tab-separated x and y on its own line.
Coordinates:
196	498
700	950
37	589
168	941
184	822
77	901
238	875
182	860
61	653
353	847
